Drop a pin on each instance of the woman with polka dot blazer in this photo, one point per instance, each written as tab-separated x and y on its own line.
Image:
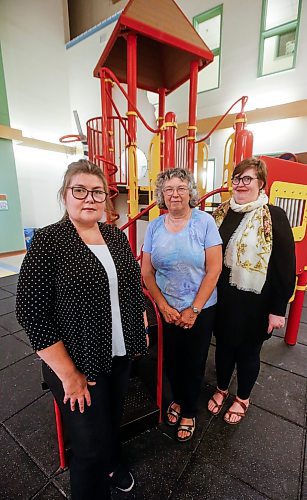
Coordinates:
81	303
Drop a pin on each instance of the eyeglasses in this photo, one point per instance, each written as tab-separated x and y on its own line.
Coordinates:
81	193
181	190
246	180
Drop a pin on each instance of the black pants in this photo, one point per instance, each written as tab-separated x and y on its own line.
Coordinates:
94	434
247	359
185	356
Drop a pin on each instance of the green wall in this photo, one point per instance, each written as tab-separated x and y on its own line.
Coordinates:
11	230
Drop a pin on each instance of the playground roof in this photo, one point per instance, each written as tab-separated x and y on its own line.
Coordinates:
166	44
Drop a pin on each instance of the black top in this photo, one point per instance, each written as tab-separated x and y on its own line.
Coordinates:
241	315
63	294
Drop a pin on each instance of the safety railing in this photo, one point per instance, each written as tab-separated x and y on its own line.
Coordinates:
118	168
181	152
294	208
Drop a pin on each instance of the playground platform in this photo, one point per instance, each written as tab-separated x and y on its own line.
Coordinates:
265	457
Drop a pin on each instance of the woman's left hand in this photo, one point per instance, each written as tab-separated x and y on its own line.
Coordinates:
275	322
187	318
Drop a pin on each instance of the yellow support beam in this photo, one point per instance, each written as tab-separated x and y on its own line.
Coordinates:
153	170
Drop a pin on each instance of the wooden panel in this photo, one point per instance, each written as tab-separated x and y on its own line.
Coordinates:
301	157
177	65
165	16
158	65
117	59
150	64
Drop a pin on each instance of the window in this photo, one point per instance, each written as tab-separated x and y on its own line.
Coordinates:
209	27
279	34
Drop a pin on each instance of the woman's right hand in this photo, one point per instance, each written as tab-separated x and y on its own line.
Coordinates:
169	313
76	390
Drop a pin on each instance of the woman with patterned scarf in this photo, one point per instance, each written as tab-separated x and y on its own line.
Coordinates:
255	285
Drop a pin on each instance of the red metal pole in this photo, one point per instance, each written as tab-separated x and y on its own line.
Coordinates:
59	429
192	115
243	138
132	90
161	106
162	93
104	123
110	128
169	159
295	312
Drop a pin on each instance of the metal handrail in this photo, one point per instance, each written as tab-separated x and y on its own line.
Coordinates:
138	216
243	99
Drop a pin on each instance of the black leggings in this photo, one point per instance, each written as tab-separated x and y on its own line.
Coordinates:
94	434
185	356
247	359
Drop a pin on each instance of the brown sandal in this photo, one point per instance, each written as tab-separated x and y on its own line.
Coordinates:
217	405
172	412
238	413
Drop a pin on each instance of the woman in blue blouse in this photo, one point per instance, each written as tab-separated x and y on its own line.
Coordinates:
181	265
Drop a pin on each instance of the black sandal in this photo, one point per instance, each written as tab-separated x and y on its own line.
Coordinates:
188	428
174	413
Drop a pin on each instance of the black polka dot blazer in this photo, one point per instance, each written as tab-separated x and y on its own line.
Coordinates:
63	294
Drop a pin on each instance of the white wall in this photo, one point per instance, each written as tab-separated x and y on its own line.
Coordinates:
239	56
40	175
35	68
36	74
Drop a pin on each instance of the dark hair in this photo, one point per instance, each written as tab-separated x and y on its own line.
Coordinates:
258	165
179	173
84	167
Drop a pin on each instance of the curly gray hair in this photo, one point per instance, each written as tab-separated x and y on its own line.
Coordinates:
183	175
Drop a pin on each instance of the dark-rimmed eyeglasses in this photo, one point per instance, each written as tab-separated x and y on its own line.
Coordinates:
81	193
246	180
181	190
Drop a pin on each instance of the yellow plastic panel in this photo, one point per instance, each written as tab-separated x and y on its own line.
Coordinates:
153	170
202	165
280	192
133	182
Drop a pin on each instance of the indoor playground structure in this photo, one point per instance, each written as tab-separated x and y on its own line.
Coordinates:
147	52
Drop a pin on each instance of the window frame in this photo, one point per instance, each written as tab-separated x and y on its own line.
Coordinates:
277	31
205	16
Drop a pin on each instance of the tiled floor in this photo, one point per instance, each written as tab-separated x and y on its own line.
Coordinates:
265	457
10	265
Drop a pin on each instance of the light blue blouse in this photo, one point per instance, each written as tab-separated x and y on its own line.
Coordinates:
179	258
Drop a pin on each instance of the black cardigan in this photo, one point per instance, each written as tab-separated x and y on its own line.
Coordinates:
243	316
63	294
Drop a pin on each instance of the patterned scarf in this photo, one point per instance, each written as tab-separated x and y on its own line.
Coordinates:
250	246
